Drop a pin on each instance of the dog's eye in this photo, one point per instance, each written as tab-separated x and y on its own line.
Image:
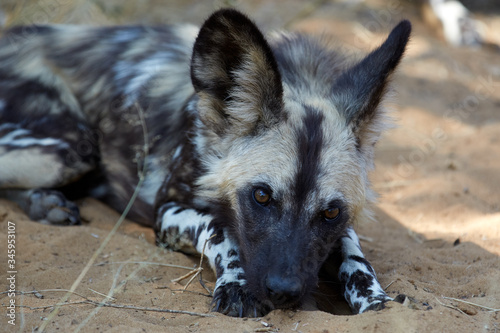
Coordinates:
331	214
261	196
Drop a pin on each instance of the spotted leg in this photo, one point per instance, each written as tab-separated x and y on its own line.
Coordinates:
187	230
362	290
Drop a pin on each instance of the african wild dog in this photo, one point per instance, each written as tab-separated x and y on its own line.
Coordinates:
264	143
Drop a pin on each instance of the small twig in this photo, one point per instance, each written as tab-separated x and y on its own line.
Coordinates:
204	285
473	304
51	306
20	292
201	263
188	291
98	293
144	263
87	300
118	306
196	271
37	294
390	284
140	308
451	307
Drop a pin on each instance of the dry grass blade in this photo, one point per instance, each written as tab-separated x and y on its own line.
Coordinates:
196	271
451	307
99	293
193	273
140	308
118	306
187	291
473	304
51	305
87	300
34	292
90	263
390	284
144	263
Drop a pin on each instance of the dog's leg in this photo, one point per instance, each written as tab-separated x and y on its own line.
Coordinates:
45	206
361	288
187	230
30	164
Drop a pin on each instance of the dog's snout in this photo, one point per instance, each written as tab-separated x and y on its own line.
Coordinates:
283	291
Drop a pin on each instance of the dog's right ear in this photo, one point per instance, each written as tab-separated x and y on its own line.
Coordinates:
235	75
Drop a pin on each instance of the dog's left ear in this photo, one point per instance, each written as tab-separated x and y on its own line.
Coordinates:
360	89
235	75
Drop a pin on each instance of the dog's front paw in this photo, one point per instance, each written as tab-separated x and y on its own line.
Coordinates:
375	303
234	299
363	291
52	207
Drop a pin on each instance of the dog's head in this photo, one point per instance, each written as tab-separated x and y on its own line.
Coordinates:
286	132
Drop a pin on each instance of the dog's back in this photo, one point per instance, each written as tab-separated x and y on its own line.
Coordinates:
83	94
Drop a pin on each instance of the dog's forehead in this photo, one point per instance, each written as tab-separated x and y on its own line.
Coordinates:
325	147
306	157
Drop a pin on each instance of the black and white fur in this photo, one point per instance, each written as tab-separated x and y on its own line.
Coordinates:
262	146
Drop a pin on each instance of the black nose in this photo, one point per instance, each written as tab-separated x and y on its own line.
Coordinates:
283	291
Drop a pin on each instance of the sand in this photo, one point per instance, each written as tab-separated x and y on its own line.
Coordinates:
436	238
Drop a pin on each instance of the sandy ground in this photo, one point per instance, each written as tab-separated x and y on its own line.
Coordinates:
437	234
